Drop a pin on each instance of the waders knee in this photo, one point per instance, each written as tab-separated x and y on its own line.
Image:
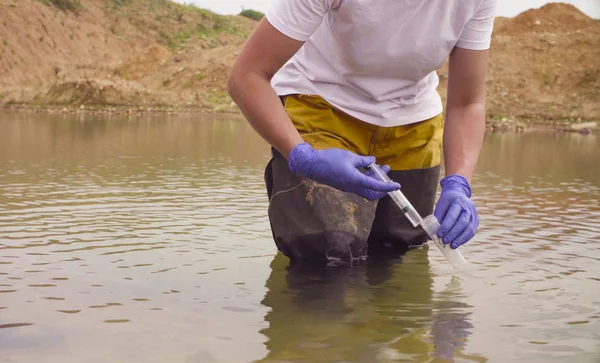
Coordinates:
314	222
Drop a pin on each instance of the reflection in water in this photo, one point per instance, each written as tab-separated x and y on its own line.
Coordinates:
384	310
550	157
147	240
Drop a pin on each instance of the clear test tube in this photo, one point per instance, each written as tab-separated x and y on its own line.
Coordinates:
430	224
398	197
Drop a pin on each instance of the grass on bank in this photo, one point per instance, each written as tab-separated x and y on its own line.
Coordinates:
173	24
252	14
65	5
176	23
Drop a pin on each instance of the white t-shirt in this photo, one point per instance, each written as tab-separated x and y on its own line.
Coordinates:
377	59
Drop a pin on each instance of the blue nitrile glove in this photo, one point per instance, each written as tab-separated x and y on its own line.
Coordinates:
339	169
456	212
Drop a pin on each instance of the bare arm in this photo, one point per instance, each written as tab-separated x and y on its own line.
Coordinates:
465	111
249	85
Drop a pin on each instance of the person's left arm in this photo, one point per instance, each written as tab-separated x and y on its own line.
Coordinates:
465	111
464	128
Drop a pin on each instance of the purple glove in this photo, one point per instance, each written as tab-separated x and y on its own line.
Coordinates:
456	212
339	169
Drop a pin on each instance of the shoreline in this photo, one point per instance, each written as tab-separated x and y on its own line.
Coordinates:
494	123
111	109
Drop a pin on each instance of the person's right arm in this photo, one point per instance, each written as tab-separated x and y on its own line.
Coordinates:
249	85
275	40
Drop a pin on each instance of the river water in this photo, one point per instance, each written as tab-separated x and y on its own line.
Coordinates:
147	240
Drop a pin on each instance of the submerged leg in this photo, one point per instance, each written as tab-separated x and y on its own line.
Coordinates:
309	220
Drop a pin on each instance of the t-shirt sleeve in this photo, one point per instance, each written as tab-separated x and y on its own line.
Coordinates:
298	19
477	34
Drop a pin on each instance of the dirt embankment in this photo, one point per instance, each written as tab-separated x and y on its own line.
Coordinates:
544	64
117	52
156	53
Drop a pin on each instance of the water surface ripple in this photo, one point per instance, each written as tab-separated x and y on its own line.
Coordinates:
147	240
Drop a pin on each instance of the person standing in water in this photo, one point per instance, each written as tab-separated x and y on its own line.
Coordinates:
335	85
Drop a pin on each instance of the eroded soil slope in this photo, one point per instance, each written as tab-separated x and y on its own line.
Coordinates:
544	62
119	52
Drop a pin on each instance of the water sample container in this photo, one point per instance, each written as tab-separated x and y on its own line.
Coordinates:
431	225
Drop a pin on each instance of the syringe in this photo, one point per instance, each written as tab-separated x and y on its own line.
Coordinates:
430	224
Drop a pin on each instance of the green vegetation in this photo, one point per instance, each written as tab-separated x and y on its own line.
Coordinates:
207	33
219	99
118	3
65	5
190	82
252	14
209	26
173	23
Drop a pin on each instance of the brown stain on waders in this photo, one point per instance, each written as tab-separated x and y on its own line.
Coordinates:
339	202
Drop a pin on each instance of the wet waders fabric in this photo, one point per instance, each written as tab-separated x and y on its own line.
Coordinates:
312	221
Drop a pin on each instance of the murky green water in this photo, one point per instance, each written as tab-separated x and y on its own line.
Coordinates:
146	240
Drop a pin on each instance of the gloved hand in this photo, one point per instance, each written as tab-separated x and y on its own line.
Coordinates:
339	169
456	212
